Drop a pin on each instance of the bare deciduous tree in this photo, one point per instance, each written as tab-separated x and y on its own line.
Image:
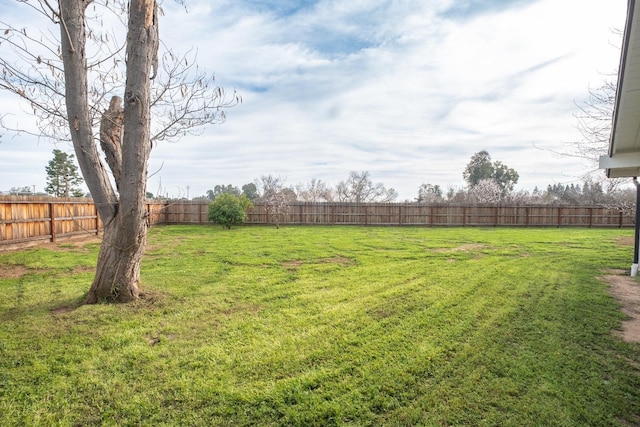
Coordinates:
486	191
88	75
594	121
359	188
428	193
276	196
315	191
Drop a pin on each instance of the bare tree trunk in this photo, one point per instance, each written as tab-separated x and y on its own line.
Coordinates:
118	271
73	40
125	221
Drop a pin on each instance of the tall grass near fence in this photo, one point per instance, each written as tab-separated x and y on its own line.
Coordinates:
324	326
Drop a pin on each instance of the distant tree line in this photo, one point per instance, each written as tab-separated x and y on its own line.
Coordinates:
487	181
273	189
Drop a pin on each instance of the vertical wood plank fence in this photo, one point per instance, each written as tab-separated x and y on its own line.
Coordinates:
411	214
26	220
47	219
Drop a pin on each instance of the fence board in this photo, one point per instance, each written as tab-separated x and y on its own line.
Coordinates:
29	219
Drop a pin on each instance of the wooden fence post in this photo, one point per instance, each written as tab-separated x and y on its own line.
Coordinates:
559	216
621	221
52	218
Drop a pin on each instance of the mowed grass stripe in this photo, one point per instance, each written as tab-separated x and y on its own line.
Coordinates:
324	326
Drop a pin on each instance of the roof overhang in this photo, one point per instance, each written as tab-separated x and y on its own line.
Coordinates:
624	144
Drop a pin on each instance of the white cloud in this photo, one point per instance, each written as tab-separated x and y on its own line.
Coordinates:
401	89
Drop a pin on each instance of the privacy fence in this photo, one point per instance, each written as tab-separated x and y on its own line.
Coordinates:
27	220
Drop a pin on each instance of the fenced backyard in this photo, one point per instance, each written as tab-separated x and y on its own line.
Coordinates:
29	220
325	326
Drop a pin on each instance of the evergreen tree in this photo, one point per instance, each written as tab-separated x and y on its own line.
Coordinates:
62	176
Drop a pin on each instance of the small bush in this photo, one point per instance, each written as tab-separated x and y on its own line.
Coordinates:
228	209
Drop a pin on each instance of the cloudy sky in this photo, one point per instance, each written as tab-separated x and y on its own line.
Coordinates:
408	90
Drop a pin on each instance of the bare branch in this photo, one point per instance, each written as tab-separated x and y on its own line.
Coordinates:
276	196
184	99
360	188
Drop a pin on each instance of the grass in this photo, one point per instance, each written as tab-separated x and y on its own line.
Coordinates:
321	326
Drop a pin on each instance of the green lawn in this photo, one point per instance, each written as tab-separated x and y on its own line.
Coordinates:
321	326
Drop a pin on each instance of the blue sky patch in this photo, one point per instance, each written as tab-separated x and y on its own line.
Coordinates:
280	7
467	9
336	44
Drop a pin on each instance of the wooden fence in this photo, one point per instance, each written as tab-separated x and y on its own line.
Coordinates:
26	220
415	214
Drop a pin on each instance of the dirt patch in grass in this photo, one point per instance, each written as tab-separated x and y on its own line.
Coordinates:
344	261
64	309
83	269
469	247
242	308
13	271
293	265
626	291
625	240
464	248
74	242
17	271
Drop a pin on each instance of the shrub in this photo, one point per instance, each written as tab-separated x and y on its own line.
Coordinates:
228	209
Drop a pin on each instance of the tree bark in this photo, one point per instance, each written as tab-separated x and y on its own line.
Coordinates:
73	40
111	137
118	270
125	220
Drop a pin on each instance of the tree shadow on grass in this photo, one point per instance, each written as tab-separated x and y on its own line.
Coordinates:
68	306
148	299
53	307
